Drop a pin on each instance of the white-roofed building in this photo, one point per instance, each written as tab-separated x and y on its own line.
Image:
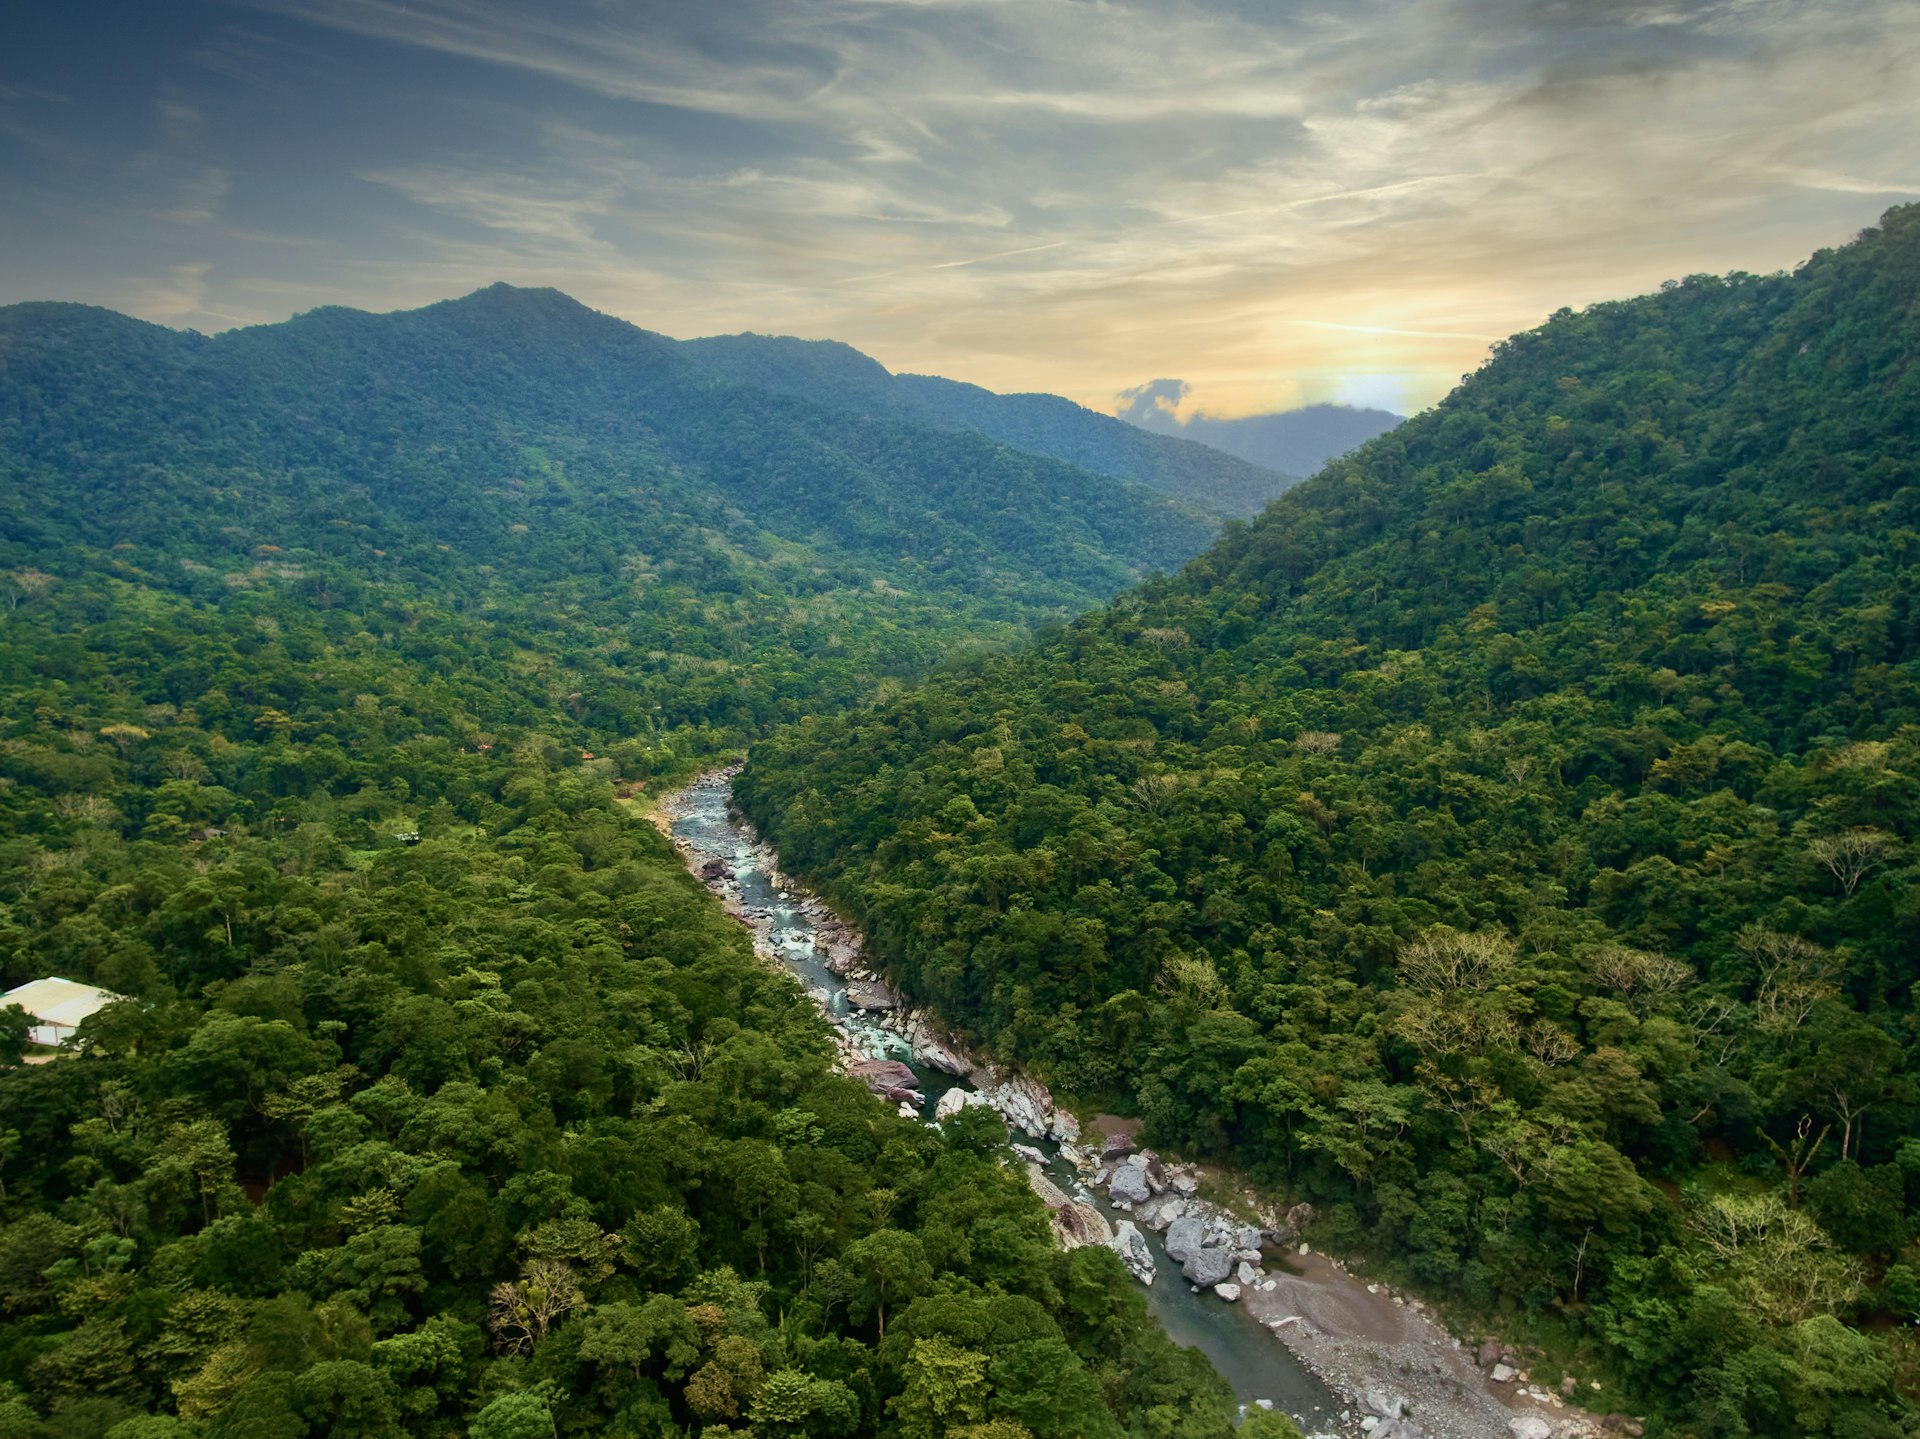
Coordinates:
57	1006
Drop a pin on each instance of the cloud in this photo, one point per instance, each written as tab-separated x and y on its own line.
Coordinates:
1277	201
1153	404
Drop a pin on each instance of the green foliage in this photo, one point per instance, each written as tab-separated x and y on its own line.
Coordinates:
1515	817
441	1099
1201	478
538	508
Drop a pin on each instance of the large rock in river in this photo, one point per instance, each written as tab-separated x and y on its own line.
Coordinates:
1161	1210
1131	1245
1075	1225
1207	1267
1129	1182
1185	1236
871	994
1022	1100
955	1100
888	1078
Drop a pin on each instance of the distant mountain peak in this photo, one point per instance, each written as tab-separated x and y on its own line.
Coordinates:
831	373
500	298
1298	441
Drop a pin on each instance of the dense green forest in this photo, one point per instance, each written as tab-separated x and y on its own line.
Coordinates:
1508	841
339	660
501	1130
728	555
828	373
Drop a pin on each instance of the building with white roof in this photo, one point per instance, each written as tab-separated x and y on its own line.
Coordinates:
57	1006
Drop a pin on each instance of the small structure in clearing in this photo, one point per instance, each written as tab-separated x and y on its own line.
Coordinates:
57	1007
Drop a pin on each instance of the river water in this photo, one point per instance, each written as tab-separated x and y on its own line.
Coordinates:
1258	1366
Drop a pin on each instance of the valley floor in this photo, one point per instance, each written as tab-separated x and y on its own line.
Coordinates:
1380	1353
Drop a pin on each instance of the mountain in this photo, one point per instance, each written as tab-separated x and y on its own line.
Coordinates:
829	373
1510	841
516	448
340	662
1297	441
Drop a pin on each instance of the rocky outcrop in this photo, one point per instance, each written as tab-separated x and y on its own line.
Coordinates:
1075	1225
955	1100
930	1043
1294	1225
871	994
1131	1245
1160	1211
1079	1225
1022	1101
888	1078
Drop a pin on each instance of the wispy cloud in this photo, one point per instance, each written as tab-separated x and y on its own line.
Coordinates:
1277	201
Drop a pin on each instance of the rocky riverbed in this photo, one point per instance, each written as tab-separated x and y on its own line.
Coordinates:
1358	1360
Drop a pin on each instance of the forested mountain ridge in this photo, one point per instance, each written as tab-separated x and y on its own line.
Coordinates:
682	550
1506	840
461	388
1208	480
337	659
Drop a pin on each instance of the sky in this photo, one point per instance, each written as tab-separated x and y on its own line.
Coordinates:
1279	203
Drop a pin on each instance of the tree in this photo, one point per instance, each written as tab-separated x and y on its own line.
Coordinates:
1852	854
726	1384
1777	1258
639	1336
1864	1210
1445	961
26	584
346	1398
1268	1424
1793	975
514	1416
16	1025
521	1313
891	1266
792	1403
662	1245
946	1388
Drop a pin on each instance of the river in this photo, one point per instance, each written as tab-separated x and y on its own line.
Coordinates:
1259	1367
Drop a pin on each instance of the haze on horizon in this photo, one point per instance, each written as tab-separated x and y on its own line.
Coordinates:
1280	203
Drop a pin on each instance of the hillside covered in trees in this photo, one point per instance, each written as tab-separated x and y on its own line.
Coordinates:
1197	475
339	660
1508	841
447	1102
517	457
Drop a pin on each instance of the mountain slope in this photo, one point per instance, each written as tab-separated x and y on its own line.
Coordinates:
472	383
1521	811
829	373
721	551
440	1098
